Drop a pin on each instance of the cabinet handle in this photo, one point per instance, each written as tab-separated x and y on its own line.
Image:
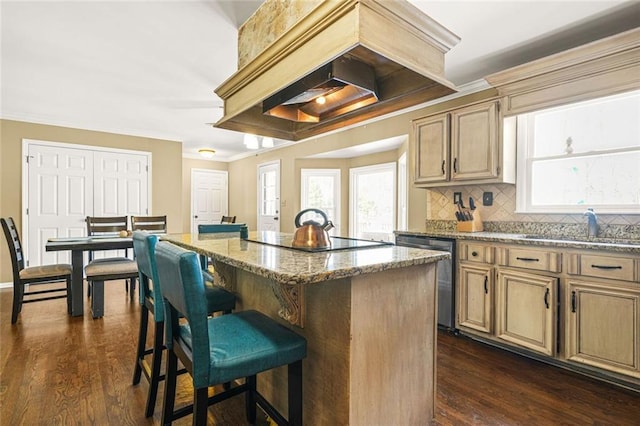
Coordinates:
573	301
606	267
546	298
474	253
528	259
455	165
486	285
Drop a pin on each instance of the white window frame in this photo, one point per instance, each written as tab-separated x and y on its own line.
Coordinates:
305	174
524	166
402	199
353	193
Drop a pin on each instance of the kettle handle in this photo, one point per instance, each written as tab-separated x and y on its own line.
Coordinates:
320	212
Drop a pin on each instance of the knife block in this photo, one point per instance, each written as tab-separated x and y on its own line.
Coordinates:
474	225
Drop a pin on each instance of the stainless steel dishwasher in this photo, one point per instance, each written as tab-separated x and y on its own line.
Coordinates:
446	274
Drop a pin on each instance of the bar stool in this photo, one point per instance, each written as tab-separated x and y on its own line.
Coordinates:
221	349
218	300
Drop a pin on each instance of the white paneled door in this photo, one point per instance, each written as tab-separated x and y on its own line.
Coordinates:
209	197
66	183
269	196
121	184
60	196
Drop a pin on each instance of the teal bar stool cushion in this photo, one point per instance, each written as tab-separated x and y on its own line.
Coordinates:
245	344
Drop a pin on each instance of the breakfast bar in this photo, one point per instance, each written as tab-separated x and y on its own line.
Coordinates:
368	314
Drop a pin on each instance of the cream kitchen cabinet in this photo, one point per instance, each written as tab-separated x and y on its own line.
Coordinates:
603	325
430	137
526	310
579	308
475	286
464	146
475	296
603	311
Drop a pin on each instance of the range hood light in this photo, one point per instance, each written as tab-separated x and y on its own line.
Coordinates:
336	88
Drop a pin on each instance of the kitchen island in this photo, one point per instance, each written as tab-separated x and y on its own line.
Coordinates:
369	317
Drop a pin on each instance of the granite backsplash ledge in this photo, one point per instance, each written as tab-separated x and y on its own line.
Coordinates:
544	229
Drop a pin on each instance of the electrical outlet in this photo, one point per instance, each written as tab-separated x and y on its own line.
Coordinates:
487	198
457	197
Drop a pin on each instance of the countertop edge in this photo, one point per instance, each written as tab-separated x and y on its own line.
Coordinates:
524	239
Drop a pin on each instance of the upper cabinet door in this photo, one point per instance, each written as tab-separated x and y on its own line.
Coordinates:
431	138
475	142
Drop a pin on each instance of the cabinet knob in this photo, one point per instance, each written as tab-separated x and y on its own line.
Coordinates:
474	253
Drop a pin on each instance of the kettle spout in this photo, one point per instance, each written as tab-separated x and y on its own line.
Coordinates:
329	226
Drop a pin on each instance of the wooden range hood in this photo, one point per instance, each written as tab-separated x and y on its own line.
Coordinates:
401	45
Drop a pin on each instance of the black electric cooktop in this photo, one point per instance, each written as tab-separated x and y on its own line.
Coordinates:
337	243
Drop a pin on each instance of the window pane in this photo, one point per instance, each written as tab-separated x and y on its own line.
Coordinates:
607	123
612	179
375	205
321	189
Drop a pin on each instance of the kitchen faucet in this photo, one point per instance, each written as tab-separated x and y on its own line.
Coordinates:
592	223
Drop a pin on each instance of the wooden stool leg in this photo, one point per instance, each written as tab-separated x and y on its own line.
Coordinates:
295	393
169	388
250	399
142	343
156	361
200	406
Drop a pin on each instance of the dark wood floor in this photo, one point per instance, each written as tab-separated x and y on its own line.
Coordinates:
58	370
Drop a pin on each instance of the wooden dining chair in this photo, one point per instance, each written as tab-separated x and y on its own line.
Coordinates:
228	219
151	224
100	270
33	276
106	227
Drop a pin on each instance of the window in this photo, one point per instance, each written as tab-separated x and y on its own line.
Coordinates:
321	190
402	192
372	197
581	155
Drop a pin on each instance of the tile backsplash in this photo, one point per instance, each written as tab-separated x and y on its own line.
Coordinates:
440	207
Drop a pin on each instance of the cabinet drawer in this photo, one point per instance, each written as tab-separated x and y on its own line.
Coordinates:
473	252
540	260
611	267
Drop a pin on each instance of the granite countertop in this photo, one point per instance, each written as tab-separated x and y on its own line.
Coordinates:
615	245
294	267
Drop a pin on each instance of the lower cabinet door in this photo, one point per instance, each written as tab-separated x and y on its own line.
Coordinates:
603	326
527	310
475	293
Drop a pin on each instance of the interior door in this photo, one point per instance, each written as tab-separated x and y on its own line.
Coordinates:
63	184
120	184
209	197
269	196
60	196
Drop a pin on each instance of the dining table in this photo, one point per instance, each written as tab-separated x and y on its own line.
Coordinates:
78	246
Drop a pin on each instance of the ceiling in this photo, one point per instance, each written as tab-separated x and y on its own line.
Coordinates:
149	68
